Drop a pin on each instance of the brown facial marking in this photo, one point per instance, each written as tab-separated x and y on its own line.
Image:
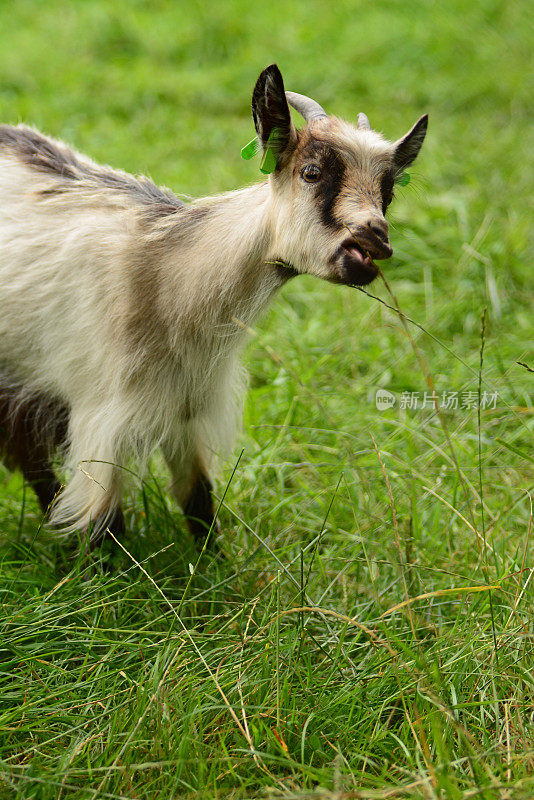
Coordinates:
386	189
315	151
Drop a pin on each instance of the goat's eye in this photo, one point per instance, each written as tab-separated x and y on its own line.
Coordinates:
311	173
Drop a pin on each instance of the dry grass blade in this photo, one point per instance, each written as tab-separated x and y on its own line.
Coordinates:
438	593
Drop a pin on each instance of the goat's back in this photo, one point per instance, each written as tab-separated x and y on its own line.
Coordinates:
67	231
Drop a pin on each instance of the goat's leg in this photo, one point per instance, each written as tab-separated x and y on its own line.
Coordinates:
43	481
102	529
25	447
192	488
91	499
199	509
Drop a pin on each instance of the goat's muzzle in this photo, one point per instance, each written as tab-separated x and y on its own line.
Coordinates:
373	237
353	265
353	262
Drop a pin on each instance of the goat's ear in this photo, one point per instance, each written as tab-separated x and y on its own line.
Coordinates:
271	114
407	148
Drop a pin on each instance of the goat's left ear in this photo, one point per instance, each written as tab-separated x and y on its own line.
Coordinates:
407	148
271	114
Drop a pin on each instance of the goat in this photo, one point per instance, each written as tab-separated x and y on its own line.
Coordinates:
124	309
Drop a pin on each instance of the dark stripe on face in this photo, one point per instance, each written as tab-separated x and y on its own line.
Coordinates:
330	185
386	189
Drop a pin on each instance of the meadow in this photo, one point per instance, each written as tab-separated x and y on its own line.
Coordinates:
366	631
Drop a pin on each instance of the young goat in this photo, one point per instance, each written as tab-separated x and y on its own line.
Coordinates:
123	309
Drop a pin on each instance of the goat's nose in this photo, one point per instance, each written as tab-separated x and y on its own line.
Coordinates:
378	232
378	229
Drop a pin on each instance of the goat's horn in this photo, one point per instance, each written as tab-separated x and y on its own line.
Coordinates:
307	107
363	123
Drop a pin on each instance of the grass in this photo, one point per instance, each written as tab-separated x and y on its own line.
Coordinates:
369	631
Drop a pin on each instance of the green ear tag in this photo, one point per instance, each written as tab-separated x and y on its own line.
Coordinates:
403	179
250	149
268	162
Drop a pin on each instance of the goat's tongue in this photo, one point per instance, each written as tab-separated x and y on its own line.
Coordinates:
355	253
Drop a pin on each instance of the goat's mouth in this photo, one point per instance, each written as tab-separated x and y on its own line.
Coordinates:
353	264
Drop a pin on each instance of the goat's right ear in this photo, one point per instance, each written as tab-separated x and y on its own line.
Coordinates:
271	114
407	148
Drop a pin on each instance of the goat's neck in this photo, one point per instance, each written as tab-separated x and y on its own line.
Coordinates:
225	269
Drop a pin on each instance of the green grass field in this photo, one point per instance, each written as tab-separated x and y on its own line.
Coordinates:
368	632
